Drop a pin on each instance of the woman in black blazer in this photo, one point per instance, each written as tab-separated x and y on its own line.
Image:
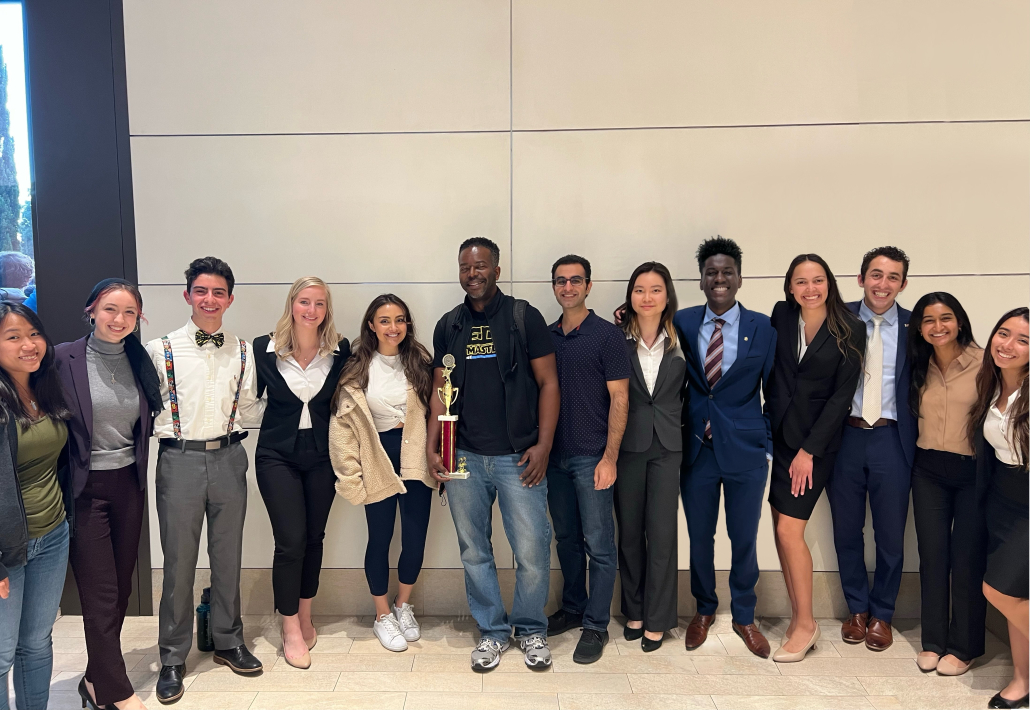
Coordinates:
647	480
298	367
113	392
999	426
819	348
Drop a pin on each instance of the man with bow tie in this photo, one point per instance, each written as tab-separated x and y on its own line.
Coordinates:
209	390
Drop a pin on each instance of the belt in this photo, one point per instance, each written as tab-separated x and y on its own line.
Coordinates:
860	423
208	445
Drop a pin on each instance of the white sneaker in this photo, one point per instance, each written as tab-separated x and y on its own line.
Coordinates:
388	631
405	615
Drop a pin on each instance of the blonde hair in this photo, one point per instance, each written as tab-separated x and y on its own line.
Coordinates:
328	338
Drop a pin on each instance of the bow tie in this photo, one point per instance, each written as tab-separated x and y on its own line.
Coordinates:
218	339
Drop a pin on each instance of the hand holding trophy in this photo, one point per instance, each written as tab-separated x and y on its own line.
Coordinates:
448	394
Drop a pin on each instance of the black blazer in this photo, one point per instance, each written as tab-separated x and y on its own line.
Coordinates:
282	414
809	400
71	366
660	413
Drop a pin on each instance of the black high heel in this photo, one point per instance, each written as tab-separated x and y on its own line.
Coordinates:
632	634
999	702
87	700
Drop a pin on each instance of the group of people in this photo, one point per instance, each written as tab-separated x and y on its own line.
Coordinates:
581	419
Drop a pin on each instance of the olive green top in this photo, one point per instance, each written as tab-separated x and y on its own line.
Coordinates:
39	449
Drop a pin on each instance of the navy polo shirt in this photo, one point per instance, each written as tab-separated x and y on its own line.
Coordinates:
587	358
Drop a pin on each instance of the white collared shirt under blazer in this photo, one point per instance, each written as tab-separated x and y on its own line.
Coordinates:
364	473
205	383
305	383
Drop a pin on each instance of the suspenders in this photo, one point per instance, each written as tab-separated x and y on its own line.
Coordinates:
173	398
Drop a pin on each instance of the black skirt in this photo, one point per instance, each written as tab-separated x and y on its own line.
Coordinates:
1008	531
780	496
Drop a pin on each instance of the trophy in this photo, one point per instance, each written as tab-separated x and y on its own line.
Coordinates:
449	422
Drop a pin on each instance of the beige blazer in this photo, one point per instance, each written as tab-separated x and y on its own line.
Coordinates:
364	473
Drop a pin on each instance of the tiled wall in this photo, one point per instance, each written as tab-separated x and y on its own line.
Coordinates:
362	141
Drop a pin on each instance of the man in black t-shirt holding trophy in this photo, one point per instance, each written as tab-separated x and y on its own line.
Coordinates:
507	408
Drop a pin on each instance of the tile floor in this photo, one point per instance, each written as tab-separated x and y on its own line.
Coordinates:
351	670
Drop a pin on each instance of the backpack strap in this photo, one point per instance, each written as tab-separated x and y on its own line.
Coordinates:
173	398
448	325
239	384
519	316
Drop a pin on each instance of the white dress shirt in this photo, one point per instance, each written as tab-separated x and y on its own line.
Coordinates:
205	383
650	359
305	384
802	345
998	431
889	337
387	391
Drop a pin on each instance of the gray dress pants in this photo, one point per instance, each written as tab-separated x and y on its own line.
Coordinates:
192	485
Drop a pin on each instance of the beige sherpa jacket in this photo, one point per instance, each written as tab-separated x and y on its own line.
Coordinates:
364	473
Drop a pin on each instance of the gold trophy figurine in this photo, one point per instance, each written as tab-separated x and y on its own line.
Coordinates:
448	394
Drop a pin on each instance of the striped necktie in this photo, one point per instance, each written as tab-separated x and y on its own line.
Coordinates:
713	364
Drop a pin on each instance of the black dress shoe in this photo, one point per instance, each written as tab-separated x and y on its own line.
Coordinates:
169	683
649	645
561	621
590	647
632	634
999	702
239	659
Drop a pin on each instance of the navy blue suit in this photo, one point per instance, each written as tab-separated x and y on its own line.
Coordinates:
876	463
735	458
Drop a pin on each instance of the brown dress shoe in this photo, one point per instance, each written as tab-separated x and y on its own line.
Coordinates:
753	639
697	630
879	636
854	629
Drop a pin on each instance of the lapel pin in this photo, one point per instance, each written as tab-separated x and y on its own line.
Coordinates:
745	338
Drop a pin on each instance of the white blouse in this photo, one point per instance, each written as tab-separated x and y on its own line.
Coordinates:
650	359
305	383
802	345
387	391
997	431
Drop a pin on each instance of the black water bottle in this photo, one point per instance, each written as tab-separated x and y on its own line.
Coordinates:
205	642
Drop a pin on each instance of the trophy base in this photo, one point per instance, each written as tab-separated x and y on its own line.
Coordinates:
458	475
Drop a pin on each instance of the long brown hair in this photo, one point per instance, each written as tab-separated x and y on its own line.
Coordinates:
839	320
413	355
988	382
629	318
45	382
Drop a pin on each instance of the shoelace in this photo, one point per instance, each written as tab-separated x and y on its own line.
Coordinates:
390	623
488	644
535	641
408	616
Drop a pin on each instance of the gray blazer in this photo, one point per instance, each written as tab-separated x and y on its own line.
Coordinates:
661	412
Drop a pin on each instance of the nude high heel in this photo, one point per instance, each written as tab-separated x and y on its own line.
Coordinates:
782	656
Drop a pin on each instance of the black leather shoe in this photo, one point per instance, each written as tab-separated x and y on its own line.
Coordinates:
561	621
649	645
87	699
999	702
590	647
632	634
169	683
239	659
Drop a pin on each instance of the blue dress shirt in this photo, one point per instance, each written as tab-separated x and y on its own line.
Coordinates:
729	336
889	338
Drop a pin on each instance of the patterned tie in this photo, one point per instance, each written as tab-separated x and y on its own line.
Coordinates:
872	391
201	337
713	364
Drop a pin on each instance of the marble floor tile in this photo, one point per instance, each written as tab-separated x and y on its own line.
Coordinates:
934	685
745	685
875	666
481	701
928	702
69	644
673	646
511	662
556	682
294	682
467	682
613	663
347	662
789	702
204	701
632	701
735	665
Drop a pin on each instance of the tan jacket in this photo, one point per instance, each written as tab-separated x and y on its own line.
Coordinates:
364	473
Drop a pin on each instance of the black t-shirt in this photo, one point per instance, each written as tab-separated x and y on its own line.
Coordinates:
483	420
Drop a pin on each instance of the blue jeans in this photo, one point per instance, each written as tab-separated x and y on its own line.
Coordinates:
27	618
583	523
524	513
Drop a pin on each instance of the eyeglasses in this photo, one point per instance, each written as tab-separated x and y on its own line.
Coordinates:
575	281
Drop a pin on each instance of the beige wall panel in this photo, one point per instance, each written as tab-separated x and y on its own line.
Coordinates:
355	209
316	66
600	64
254	312
953	196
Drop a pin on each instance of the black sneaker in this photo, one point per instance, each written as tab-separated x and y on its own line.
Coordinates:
591	646
561	621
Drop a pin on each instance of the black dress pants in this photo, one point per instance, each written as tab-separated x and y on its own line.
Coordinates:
298	491
952	536
108	518
647	510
